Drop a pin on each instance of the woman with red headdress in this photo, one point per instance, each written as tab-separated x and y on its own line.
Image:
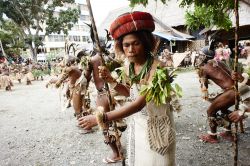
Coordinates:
152	139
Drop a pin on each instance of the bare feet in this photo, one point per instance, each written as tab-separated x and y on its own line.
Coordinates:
227	136
109	160
209	138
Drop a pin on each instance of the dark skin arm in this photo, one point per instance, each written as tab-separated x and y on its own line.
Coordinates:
236	116
239	77
89	121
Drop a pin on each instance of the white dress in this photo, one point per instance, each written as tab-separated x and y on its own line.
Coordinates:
153	126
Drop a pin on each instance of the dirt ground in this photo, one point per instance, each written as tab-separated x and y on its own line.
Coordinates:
34	131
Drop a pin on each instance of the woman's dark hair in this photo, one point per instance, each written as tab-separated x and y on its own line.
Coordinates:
146	37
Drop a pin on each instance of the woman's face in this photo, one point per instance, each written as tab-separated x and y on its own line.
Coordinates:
133	48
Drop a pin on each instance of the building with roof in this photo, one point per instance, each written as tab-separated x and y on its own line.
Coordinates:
169	20
79	33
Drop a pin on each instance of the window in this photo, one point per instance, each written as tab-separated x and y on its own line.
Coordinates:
61	38
51	38
71	38
84	18
84	38
76	38
56	38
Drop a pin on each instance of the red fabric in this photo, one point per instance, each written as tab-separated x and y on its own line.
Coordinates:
131	22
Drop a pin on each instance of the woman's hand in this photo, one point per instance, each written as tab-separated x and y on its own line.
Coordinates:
87	122
105	74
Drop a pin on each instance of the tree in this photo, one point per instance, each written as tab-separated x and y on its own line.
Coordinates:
205	13
10	37
32	15
209	13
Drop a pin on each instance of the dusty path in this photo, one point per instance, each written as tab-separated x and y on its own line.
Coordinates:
33	131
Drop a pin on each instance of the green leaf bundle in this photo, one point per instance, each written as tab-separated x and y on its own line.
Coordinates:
160	89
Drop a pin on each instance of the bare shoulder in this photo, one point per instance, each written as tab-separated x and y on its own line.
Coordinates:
157	62
95	59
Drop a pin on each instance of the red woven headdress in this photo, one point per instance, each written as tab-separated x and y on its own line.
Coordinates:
131	22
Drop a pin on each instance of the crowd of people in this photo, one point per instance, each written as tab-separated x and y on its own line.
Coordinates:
27	72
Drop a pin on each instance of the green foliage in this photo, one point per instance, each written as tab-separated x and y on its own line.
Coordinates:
50	56
64	22
85	62
206	12
112	64
11	37
121	74
160	89
247	70
207	17
37	73
30	14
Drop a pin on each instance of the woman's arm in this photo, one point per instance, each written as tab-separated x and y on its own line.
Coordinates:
89	121
127	109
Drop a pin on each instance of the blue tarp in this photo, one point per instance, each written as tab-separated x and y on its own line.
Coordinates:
169	36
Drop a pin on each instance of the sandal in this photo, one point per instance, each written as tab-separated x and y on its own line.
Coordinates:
108	160
208	138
